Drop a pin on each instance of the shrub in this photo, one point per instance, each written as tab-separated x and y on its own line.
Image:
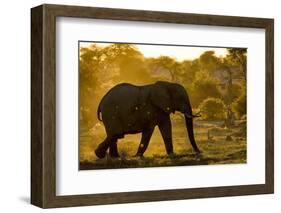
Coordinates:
240	105
203	87
212	108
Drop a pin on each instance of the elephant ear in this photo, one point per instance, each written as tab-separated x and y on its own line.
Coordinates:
160	96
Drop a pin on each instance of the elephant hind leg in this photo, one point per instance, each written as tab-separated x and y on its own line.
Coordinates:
113	150
102	148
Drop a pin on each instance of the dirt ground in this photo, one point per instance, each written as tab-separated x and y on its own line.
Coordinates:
219	145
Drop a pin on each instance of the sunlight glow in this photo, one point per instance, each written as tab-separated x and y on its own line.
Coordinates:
178	52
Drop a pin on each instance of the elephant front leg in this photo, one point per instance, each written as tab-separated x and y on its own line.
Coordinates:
145	138
165	128
113	151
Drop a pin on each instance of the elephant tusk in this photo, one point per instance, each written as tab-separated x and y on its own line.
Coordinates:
198	114
187	115
192	116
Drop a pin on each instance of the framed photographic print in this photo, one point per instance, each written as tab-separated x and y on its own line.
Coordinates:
137	106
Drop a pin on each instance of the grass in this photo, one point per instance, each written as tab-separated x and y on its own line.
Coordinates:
219	146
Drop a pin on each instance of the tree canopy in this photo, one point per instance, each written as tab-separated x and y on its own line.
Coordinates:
211	81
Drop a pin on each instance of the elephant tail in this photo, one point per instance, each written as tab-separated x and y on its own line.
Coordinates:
99	113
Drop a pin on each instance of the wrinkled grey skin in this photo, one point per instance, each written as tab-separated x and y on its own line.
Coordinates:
130	109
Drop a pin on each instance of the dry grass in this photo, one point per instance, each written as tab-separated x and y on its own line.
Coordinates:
222	146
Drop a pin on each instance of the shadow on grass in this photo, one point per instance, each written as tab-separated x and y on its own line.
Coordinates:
161	161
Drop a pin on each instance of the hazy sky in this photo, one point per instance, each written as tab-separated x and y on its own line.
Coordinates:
178	52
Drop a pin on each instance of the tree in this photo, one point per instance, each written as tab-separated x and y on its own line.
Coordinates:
166	63
232	92
202	88
240	105
212	108
189	69
90	67
237	57
208	61
129	62
234	64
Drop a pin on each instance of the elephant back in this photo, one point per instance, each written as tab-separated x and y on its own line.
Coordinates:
120	100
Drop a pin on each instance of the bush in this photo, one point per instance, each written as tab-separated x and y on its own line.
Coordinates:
232	93
202	88
240	105
212	108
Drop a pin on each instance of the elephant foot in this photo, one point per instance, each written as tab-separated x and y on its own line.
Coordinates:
197	151
113	152
198	154
99	153
114	155
171	155
138	155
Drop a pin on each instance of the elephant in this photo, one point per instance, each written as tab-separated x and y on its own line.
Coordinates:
130	109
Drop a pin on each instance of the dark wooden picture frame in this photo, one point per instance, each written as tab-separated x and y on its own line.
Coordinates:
43	105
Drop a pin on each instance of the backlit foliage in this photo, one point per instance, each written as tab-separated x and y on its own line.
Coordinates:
216	86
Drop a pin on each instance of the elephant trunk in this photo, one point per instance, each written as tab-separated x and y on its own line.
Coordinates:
189	127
